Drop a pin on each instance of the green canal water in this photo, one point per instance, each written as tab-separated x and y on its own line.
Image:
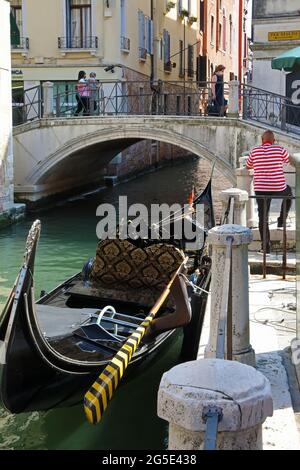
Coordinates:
68	239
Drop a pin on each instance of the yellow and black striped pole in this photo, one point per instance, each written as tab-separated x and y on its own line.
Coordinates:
101	392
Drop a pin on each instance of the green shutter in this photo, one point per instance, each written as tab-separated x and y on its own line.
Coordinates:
14	31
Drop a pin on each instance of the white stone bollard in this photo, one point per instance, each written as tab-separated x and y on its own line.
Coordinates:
241	392
233	99
48	95
217	238
244	181
240	200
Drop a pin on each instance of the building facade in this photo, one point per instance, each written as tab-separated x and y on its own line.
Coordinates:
276	29
53	40
180	41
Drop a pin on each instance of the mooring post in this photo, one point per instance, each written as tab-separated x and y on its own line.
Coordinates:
217	238
233	99
244	181
238	396
240	201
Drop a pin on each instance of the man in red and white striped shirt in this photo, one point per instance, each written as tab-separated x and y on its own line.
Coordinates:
267	161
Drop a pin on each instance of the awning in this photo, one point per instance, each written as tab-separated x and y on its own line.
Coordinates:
289	61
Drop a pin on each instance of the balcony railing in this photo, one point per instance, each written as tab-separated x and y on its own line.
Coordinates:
22	44
125	44
88	42
142	53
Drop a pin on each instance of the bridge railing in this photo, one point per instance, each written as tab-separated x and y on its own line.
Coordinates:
139	98
270	108
27	105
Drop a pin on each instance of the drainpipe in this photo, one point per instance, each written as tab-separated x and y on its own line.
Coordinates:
153	77
241	37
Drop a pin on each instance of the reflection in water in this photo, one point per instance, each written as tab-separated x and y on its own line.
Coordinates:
68	239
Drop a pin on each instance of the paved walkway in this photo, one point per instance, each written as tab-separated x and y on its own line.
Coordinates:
272	327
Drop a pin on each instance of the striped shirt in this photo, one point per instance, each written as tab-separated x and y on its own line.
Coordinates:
267	161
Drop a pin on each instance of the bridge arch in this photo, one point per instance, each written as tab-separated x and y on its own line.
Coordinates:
114	138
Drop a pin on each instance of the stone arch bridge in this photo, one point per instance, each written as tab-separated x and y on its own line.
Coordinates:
54	155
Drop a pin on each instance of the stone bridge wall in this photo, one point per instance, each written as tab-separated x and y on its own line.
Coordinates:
52	155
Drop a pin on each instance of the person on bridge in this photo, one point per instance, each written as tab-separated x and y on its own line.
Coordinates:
217	88
267	161
82	95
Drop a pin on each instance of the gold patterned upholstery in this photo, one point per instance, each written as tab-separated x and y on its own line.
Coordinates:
127	272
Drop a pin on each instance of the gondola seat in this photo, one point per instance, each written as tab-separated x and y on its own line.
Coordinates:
125	272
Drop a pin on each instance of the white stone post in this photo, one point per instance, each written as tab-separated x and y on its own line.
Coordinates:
217	238
48	95
240	200
233	99
242	394
244	181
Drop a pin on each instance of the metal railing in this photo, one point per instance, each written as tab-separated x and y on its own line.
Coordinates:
125	44
115	98
27	106
270	108
139	98
142	53
265	227
79	42
23	44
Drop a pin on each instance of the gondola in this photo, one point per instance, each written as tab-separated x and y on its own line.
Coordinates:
52	350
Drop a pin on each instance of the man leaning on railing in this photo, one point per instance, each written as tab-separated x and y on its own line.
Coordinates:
267	161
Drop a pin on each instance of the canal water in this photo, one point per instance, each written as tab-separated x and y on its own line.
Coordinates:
68	239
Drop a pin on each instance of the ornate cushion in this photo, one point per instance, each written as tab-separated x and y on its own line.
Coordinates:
124	270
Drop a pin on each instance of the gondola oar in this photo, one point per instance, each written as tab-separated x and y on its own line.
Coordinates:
98	396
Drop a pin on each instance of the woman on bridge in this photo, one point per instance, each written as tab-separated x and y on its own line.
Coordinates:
82	95
220	103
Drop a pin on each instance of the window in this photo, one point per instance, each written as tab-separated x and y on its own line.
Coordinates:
79	24
224	32
189	6
149	35
190	70
123	18
179	7
178	105
165	103
189	105
212	29
181	56
142	36
167	51
202	16
220	36
16	22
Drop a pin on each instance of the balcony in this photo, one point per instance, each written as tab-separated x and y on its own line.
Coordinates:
78	43
125	44
142	54
20	44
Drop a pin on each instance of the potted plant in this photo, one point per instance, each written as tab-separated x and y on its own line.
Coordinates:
184	13
192	19
169	6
